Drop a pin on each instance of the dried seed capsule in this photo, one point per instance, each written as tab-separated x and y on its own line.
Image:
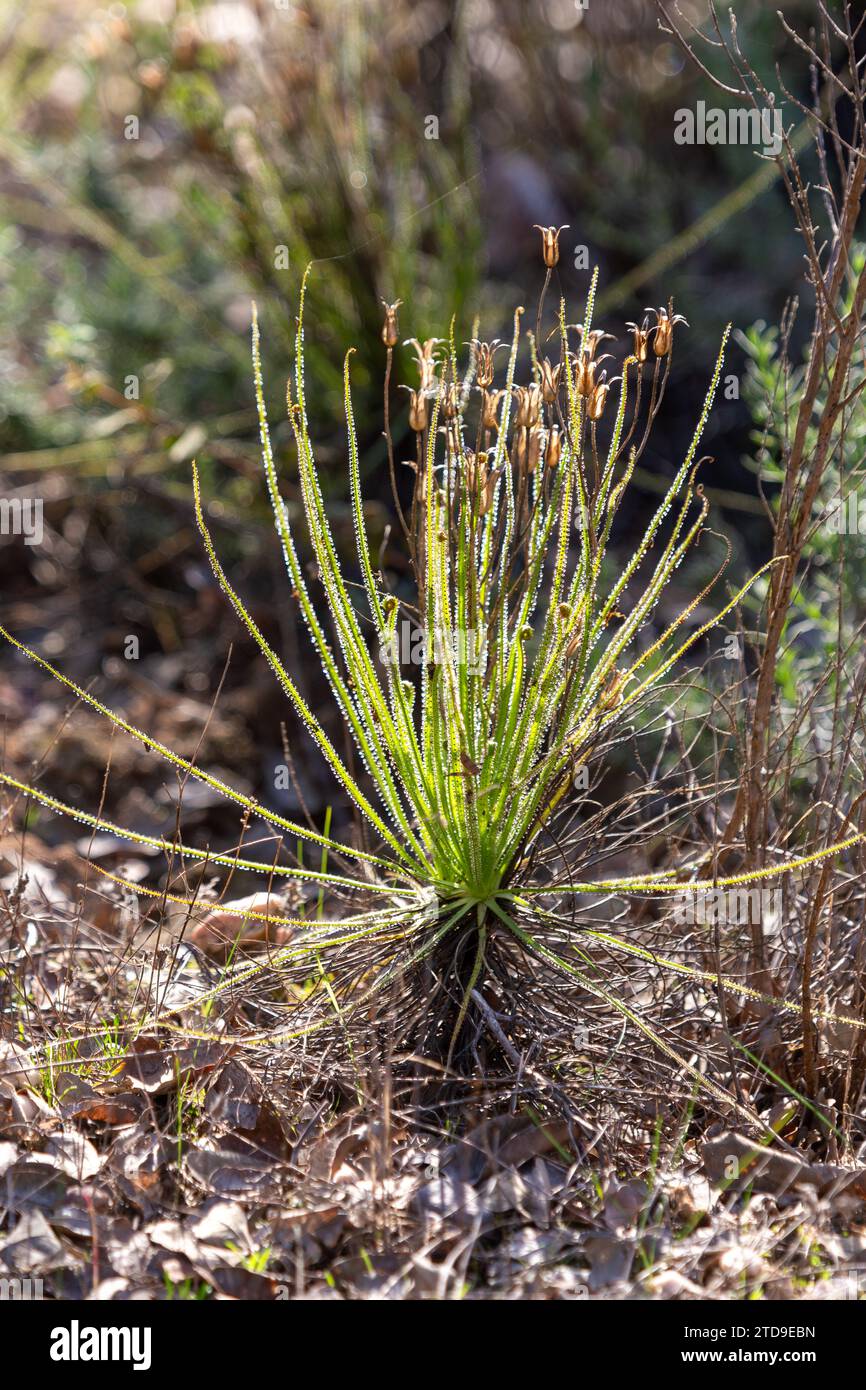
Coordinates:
489	405
533	452
611	694
452	440
550	378
585	382
528	412
390	328
554	448
584	375
589	341
663	331
484	357
419	410
550	243
450	401
598	400
426	362
520	443
489	491
572	646
641	339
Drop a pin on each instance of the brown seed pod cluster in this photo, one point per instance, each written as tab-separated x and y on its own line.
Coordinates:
527	427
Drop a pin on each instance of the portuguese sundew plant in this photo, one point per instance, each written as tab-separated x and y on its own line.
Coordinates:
473	700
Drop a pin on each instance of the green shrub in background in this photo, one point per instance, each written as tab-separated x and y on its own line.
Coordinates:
165	167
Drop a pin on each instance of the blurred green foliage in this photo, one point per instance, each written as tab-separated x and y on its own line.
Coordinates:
163	163
163	167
